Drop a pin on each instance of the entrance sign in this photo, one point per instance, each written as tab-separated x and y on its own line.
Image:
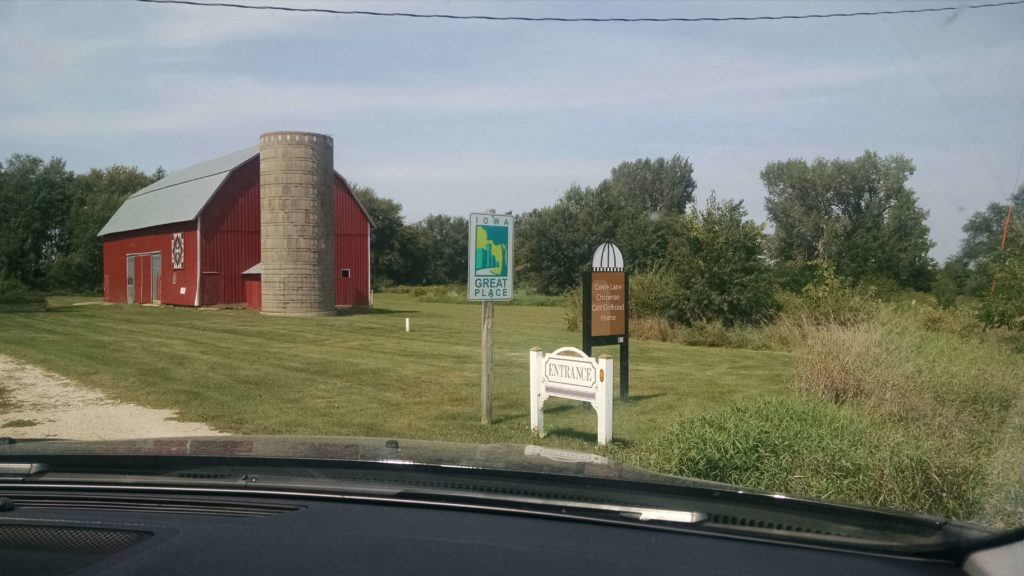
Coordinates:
571	374
490	257
606	308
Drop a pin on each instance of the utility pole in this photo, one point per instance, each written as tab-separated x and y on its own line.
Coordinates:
1002	243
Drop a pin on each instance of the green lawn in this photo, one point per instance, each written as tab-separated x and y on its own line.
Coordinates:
362	374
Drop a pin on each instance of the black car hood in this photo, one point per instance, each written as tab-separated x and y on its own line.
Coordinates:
506	457
513	458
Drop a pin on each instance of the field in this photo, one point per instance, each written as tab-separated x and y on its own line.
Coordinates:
909	406
362	374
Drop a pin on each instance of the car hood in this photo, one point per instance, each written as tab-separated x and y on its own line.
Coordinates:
499	457
247	453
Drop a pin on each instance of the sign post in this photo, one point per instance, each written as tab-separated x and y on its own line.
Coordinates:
489	281
569	373
606	308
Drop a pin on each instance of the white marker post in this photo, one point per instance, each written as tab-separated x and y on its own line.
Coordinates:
569	373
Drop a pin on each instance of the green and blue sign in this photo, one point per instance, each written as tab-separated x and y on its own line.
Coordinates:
490	257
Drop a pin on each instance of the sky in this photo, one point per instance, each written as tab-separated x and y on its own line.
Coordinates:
459	116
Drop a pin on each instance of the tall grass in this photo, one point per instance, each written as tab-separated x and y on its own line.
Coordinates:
911	408
818	449
896	366
917	371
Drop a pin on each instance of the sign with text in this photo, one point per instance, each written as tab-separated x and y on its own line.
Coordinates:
571	374
606	307
490	257
608	304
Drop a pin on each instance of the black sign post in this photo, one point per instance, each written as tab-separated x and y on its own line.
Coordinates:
606	308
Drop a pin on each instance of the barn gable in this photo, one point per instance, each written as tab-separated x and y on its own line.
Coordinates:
182	195
178	197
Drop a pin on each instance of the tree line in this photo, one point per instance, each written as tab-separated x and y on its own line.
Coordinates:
49	218
857	216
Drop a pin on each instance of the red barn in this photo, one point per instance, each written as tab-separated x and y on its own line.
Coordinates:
193	239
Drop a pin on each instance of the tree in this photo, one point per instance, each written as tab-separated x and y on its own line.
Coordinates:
413	261
386	255
656	186
717	261
859	214
635	207
974	264
34	199
553	244
1005	306
445	255
94	198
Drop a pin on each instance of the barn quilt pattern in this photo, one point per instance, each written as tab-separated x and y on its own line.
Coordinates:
178	251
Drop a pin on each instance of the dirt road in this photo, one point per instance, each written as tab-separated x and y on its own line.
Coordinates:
46	405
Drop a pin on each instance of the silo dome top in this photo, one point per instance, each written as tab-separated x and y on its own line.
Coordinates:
297	137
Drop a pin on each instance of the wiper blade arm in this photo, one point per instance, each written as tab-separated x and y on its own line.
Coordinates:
21	470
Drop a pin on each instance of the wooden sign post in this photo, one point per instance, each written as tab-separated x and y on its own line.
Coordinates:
606	308
490	280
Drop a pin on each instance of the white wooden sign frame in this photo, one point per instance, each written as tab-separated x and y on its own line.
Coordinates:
571	374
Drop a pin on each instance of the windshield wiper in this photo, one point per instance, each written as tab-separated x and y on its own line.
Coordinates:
21	470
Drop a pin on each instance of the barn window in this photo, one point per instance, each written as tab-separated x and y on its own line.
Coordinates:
346	273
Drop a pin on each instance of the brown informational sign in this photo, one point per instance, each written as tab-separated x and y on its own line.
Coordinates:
606	308
608	304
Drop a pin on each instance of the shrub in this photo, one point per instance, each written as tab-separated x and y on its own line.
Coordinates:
830	299
573	309
718	267
816	449
710	334
885	289
945	291
1005	307
16	297
650	293
793	276
651	328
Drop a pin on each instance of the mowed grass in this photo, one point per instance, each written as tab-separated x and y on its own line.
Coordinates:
362	374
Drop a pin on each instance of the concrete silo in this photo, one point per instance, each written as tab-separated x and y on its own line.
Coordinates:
297	223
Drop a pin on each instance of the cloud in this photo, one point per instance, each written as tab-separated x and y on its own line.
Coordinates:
184	102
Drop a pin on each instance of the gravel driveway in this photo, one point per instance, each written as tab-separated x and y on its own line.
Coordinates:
46	405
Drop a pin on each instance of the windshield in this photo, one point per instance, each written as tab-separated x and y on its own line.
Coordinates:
774	245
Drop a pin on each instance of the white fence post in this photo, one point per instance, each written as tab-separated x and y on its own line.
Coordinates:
605	392
536	389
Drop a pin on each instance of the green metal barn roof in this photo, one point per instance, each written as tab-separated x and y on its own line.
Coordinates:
178	197
181	196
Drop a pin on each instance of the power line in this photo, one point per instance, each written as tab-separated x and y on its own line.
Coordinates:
584	19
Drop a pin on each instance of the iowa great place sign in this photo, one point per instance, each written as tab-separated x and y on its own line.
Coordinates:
571	374
490	257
